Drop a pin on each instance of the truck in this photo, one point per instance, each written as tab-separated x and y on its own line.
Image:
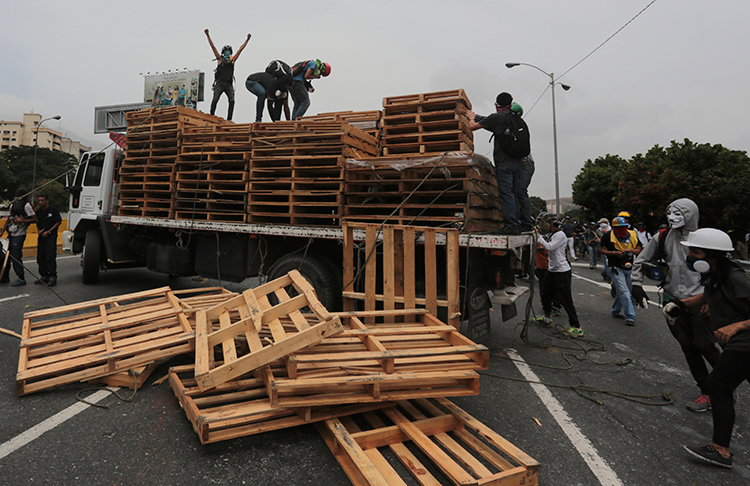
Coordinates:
234	251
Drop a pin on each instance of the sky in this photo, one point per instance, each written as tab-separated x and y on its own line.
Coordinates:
676	71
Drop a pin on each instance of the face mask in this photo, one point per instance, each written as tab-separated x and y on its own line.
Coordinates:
696	265
226	56
675	217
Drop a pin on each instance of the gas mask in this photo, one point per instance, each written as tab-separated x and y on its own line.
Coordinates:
696	265
675	217
226	56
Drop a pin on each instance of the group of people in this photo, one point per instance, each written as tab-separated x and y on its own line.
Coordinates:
47	219
272	86
705	300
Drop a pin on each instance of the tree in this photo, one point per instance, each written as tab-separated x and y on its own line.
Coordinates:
538	205
17	170
597	185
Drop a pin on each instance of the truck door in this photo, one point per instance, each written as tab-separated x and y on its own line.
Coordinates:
90	193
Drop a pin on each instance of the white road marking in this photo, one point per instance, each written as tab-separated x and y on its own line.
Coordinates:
4	299
646	288
583	445
25	437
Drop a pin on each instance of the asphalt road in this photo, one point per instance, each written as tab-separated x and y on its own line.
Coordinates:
149	441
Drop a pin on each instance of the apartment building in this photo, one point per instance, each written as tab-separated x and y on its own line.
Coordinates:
16	133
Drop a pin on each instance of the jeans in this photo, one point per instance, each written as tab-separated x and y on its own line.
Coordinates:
732	369
46	254
571	247
593	254
301	99
219	89
258	90
607	272
557	285
513	179
15	248
623	300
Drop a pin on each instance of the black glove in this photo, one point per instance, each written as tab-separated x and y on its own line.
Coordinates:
640	296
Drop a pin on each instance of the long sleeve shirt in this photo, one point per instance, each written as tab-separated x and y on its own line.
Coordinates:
555	243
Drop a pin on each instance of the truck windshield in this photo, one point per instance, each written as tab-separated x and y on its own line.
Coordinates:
94	170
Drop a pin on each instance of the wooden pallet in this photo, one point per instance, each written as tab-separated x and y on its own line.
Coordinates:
256	316
381	356
100	337
397	257
241	407
134	378
435	442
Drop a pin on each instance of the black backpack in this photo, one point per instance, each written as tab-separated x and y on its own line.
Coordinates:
516	141
278	68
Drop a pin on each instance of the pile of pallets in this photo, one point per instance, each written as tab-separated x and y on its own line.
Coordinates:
367	121
425	123
148	173
297	170
455	189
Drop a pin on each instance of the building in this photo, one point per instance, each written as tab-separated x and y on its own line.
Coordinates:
14	134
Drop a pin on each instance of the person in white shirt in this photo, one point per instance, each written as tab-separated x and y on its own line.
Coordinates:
558	279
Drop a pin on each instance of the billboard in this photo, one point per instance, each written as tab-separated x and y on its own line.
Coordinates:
183	88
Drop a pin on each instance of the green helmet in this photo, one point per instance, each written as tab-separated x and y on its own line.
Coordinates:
516	108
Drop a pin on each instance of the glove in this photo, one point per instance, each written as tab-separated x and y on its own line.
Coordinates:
640	296
673	310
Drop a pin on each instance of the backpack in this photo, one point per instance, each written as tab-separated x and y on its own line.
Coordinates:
516	141
298	68
278	68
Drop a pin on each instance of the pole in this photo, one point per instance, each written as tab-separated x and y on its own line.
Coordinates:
36	146
554	141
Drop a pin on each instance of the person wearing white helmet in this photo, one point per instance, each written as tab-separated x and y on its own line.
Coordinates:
726	293
692	330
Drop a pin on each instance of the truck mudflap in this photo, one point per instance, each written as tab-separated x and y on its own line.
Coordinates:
116	242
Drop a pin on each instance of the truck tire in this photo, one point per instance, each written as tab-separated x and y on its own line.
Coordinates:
92	256
321	273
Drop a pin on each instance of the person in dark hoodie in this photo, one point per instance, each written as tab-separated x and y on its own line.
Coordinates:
268	88
692	330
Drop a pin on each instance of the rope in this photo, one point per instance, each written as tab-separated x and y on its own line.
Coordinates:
114	391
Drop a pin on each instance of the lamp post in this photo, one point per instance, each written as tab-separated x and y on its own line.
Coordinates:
565	87
36	146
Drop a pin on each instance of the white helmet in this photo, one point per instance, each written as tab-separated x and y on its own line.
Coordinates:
709	239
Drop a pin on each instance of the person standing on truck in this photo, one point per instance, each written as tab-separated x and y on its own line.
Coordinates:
224	74
692	330
21	215
513	174
48	221
621	246
726	293
303	72
557	281
266	87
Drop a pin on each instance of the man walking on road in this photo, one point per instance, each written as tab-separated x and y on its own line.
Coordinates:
692	329
620	246
48	220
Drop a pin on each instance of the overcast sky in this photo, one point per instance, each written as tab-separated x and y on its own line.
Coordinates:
679	70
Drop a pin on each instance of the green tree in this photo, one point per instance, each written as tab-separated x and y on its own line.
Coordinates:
17	170
597	185
538	205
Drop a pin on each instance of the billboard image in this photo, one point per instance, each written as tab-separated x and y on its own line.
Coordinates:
184	88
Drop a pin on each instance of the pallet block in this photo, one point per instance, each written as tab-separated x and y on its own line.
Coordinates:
397	355
241	407
133	378
436	442
256	316
101	337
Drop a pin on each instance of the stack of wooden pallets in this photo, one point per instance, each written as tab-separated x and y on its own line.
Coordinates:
367	121
425	123
454	189
148	173
297	170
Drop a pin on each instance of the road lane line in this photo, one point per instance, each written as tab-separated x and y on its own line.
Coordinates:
606	285
14	297
583	445
25	437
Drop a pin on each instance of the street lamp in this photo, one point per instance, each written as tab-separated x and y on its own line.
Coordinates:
36	146
565	87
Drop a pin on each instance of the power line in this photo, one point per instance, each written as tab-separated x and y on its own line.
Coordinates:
608	39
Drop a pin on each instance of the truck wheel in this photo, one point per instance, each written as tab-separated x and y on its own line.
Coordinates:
92	256
321	273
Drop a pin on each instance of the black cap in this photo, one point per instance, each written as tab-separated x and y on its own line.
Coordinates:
504	99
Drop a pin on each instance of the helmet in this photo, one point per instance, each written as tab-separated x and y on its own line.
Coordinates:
709	239
325	69
619	221
227	48
603	220
516	108
624	214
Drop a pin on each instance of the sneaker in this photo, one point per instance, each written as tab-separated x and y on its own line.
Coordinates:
52	282
700	404
710	455
629	322
41	281
542	321
509	230
575	332
18	283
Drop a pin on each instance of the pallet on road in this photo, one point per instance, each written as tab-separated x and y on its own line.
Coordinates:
101	337
435	442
